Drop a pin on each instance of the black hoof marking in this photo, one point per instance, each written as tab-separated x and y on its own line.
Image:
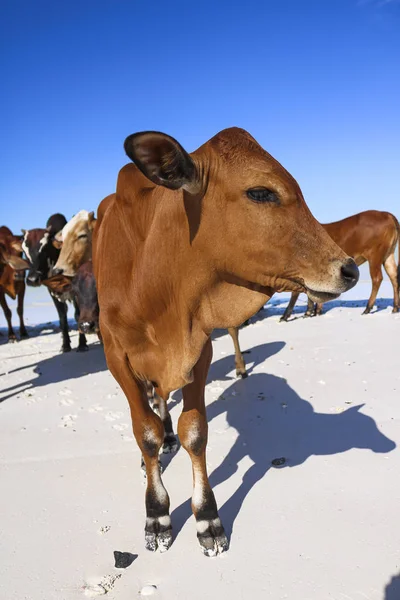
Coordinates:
82	349
242	375
158	534
212	538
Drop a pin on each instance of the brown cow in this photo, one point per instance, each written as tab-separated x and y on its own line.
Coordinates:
191	242
370	236
12	279
75	242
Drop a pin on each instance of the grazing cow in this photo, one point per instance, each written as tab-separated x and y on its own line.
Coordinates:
370	236
12	279
189	243
42	250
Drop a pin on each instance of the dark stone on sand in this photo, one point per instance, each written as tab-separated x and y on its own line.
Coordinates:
123	559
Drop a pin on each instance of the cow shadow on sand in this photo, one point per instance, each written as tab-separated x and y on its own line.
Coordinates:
61	367
272	421
392	590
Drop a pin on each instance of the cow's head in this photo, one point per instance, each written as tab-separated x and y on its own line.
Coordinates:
11	250
84	288
41	250
253	223
76	243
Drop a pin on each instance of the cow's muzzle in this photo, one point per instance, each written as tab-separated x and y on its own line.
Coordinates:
33	279
87	327
347	279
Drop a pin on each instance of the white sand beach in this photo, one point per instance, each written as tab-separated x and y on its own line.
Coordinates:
322	393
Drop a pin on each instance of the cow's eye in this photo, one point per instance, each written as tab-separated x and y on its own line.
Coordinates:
262	195
82	236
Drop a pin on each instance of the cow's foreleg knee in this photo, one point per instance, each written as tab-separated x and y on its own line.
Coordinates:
160	407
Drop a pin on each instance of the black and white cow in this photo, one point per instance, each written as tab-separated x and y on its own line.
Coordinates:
42	251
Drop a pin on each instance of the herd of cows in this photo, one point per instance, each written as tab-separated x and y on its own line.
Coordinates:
188	243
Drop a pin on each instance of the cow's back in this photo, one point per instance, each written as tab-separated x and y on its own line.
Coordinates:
361	234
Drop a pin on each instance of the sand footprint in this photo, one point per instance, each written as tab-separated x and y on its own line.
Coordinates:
95	408
105	585
120	426
66	402
113	416
68	420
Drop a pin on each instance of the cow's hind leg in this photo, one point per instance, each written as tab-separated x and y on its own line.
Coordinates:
62	315
290	307
391	270
7	314
20	287
239	360
148	430
160	407
375	269
192	430
311	308
82	344
318	309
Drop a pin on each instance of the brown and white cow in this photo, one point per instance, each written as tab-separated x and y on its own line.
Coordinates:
370	236
189	243
75	241
12	278
42	250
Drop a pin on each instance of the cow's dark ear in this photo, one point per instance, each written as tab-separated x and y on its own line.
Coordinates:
162	160
23	232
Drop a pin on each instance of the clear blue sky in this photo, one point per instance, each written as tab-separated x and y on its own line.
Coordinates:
317	82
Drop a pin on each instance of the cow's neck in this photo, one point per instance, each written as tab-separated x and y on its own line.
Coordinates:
177	337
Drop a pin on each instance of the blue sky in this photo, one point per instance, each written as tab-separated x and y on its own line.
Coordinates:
317	82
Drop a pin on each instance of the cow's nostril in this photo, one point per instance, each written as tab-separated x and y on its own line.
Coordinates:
350	273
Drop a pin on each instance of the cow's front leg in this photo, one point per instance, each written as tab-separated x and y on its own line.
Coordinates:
192	431
62	315
148	430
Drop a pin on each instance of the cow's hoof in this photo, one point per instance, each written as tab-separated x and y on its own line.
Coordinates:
366	311
158	534
212	538
12	339
395	309
241	374
83	349
65	349
283	319
170	444
24	335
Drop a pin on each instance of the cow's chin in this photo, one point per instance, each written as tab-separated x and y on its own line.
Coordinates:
320	297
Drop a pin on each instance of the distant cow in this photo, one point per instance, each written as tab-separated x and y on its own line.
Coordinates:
12	278
370	236
42	250
189	243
